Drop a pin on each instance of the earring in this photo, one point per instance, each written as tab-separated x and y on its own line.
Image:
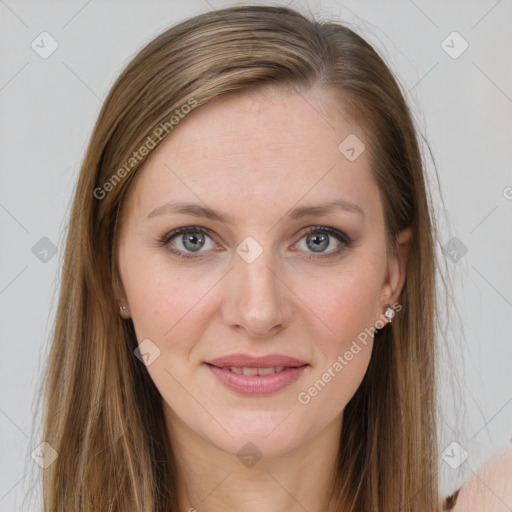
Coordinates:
122	308
389	314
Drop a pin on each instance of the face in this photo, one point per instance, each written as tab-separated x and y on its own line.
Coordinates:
266	276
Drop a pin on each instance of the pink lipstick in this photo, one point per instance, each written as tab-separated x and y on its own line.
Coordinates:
257	376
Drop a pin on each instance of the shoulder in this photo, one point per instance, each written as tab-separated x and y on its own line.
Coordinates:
490	488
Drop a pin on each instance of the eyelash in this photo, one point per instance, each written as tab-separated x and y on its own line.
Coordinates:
346	241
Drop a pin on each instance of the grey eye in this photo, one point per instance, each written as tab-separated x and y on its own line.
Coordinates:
319	241
324	241
191	241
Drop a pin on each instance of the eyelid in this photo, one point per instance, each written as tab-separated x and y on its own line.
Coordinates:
345	241
185	229
165	241
342	237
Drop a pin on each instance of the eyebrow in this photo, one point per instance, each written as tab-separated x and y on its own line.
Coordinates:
198	210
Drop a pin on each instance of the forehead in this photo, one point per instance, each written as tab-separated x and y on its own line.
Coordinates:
266	124
258	149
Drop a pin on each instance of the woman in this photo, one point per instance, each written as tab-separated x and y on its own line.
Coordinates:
247	309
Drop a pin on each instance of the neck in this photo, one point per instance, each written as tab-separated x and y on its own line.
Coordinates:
213	480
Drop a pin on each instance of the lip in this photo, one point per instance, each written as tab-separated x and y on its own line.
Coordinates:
248	361
257	385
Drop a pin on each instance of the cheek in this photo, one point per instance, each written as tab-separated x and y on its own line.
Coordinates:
344	360
348	308
347	304
164	299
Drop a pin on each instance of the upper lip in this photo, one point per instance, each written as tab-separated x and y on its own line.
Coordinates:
248	361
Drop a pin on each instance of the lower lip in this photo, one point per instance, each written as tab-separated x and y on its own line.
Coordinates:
257	385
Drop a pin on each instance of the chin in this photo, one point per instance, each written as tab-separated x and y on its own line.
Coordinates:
269	433
255	446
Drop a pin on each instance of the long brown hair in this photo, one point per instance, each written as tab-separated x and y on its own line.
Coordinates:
102	413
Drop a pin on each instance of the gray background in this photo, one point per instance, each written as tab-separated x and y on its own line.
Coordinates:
462	103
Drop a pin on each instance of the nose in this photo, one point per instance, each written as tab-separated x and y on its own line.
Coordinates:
257	300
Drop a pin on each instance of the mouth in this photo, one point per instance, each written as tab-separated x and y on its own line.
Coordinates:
253	378
264	362
240	370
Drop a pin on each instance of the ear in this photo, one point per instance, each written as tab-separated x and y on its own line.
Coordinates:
120	296
395	277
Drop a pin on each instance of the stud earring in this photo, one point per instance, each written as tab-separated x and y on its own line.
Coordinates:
389	314
122	308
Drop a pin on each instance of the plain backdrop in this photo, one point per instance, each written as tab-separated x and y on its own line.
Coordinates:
453	62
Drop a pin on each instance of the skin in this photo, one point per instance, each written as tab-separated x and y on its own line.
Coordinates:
256	156
489	489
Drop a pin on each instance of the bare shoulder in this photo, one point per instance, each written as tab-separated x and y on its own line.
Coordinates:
490	489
